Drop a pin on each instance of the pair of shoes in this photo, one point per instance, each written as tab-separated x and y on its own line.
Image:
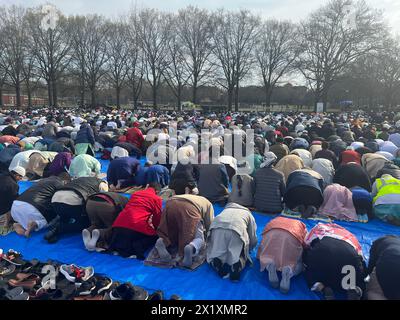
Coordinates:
127	291
76	274
95	286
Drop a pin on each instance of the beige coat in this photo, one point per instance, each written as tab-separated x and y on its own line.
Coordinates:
289	164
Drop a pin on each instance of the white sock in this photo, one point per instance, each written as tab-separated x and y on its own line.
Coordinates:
92	242
87	237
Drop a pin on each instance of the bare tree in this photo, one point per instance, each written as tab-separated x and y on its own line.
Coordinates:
381	69
51	48
153	29
175	74
31	76
13	38
234	39
195	31
90	51
275	53
4	65
117	56
329	44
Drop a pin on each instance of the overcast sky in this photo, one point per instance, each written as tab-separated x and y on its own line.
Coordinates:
280	9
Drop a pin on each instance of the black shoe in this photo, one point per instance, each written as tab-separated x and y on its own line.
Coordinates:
156	296
86	288
127	291
103	284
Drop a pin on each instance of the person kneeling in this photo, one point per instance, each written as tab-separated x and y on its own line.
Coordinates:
102	209
231	238
134	230
281	249
184	222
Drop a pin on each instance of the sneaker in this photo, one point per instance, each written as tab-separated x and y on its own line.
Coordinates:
127	291
13	257
86	288
7	269
175	297
73	273
102	284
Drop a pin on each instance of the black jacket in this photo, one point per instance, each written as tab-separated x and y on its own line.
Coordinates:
385	257
40	194
84	187
352	175
9	192
185	175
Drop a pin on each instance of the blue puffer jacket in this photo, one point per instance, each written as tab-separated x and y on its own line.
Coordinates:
85	135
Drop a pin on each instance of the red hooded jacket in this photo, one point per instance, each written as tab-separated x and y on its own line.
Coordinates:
135	136
142	213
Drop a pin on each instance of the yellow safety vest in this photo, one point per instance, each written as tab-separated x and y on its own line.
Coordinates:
387	186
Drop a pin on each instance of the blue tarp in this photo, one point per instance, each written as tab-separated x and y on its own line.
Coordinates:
203	283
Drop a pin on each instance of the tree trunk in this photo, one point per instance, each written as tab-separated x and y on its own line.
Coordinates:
237	96
55	100
325	98
230	98
118	93
82	88
194	97
179	98
18	93
93	96
268	96
49	92
1	95
29	92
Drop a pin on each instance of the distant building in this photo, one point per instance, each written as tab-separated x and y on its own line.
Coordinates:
10	100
